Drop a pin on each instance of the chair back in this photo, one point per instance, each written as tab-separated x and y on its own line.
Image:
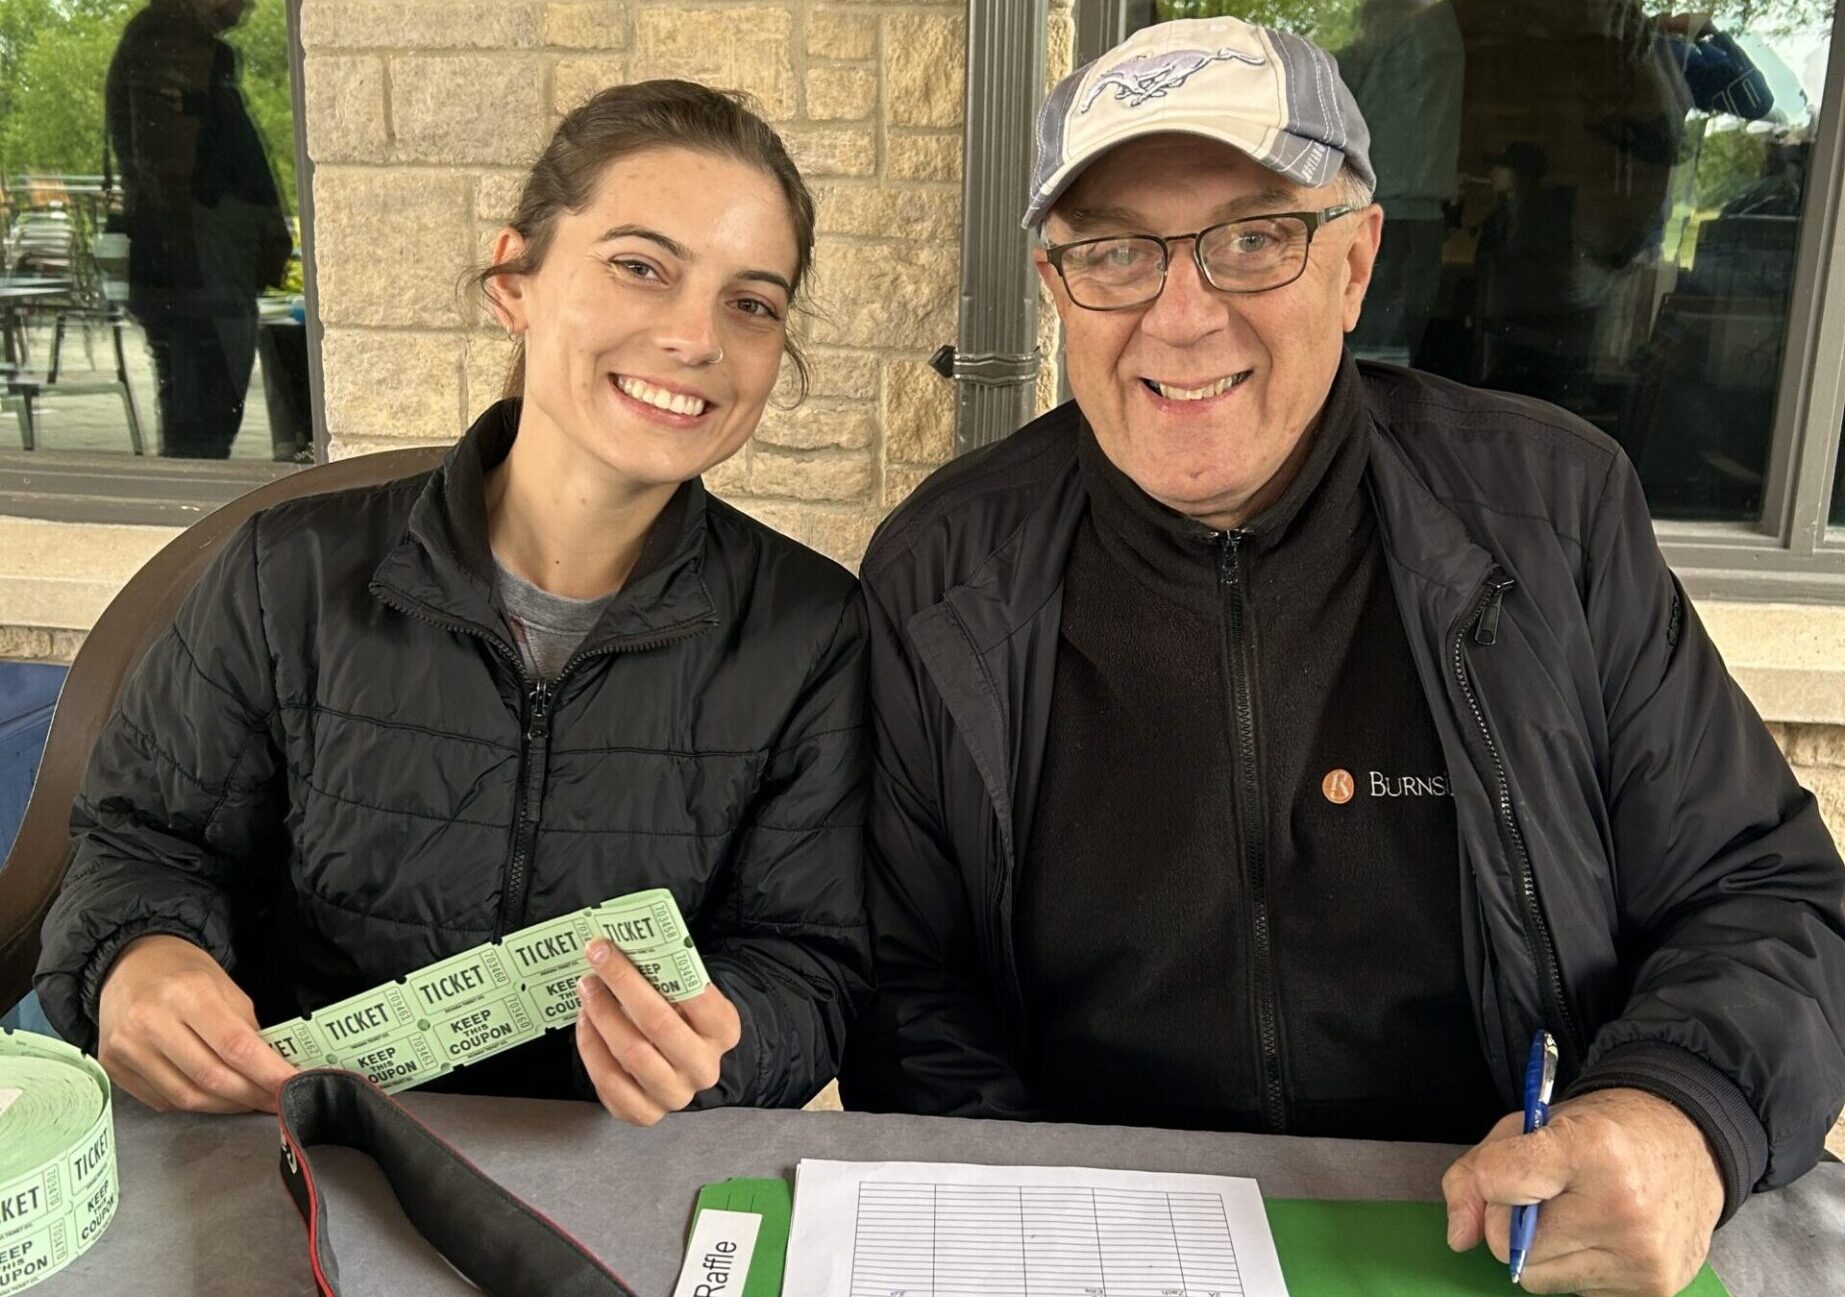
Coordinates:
134	619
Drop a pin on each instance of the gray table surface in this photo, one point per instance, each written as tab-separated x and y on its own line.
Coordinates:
203	1210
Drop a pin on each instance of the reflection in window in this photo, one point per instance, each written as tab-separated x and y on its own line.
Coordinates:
1590	201
150	290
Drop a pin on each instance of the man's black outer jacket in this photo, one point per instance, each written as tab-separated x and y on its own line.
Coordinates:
1640	872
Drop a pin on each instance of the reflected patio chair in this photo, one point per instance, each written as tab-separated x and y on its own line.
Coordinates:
48	243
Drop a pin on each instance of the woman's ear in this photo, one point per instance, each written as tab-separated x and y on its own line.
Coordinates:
506	293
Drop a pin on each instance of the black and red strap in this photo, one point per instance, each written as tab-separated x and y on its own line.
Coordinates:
502	1244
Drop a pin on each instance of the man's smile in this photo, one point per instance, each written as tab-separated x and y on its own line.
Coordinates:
1183	393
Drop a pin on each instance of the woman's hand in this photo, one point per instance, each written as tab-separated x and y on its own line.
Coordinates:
645	1056
175	1032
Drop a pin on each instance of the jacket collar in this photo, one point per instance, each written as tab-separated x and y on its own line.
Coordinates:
442	568
1175	556
1024	575
1421	534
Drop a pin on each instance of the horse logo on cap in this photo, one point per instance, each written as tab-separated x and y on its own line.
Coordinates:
1154	76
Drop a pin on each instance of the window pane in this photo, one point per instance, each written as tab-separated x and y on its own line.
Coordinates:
1592	202
150	289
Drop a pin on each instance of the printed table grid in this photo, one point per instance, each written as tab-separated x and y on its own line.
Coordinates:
930	1240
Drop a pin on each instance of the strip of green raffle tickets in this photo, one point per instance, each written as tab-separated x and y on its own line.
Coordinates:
57	1157
488	999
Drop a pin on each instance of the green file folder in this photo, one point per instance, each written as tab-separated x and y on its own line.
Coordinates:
1334	1248
773	1200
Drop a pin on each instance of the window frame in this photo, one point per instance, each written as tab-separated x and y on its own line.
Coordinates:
62	486
1791	554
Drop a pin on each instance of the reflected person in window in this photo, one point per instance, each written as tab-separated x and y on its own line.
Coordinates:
1272	741
1406	70
206	233
393	723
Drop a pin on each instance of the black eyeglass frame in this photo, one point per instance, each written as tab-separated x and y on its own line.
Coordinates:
1055	252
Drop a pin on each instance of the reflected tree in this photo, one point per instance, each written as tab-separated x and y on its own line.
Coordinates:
54	56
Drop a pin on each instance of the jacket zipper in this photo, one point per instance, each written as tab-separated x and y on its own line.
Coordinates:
534	740
1482	624
534	767
1255	841
536	699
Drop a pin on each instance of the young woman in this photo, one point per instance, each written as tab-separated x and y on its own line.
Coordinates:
391	724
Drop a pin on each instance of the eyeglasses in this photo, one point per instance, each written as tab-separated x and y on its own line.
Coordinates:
1253	254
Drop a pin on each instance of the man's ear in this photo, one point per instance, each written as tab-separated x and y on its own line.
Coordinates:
1360	262
506	294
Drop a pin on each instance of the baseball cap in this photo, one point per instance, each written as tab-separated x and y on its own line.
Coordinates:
1276	96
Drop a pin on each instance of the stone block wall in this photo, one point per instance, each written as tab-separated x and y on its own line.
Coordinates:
422	116
1817	754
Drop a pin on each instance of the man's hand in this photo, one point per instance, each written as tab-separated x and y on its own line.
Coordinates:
175	1032
646	1057
1630	1190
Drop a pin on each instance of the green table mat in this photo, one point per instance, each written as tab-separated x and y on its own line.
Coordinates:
1332	1248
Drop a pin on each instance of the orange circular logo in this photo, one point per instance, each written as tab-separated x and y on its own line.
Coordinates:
1337	786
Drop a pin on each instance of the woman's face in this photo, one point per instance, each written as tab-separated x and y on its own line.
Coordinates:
653	329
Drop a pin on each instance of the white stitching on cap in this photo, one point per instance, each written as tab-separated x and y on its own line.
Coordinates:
1319	92
1310	161
1323	64
1314	55
1338	122
1273	49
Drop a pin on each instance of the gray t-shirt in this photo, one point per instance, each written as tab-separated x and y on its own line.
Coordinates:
546	627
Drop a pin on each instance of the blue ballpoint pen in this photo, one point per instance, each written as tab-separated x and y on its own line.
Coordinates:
1540	1076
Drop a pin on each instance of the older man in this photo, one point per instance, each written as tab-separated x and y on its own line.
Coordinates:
1272	742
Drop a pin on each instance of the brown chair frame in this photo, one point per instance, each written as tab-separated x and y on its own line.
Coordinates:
134	619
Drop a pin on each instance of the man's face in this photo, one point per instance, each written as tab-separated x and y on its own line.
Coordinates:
1220	458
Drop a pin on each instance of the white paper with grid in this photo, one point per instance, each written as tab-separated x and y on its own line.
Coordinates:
926	1229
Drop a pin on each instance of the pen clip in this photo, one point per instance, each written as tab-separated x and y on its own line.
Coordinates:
1549	1080
1540	1080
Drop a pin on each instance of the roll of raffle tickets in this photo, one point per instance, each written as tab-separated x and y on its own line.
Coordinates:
57	1157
